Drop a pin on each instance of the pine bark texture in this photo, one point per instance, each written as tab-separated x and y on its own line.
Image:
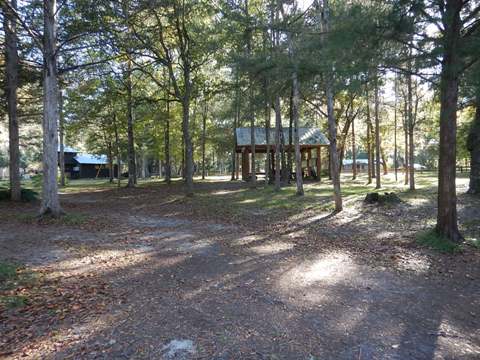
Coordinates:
11	86
50	199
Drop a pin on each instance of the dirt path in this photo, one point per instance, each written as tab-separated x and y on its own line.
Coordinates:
177	288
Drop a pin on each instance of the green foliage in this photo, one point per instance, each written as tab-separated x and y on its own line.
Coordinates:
15	301
28	195
12	276
8	271
437	242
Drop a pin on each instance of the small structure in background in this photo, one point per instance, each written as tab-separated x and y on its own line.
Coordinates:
362	164
86	166
310	139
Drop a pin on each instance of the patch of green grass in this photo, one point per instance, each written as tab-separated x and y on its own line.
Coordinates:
14	301
7	272
27	194
437	242
13	276
74	219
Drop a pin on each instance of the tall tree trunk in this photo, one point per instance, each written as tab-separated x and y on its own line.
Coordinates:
395	150
168	161
332	130
204	137
110	162
354	153
473	145
50	199
188	145
405	135
117	150
295	115
449	78
369	149
251	100
289	166
378	183
235	125
61	138
267	134
278	132
11	85
132	168
369	138
411	150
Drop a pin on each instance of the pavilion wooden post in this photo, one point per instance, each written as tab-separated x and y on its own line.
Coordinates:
319	163
237	166
309	157
245	164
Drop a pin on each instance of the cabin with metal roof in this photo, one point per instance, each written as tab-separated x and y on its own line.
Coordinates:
311	142
86	166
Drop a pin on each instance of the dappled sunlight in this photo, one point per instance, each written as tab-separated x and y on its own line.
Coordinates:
274	248
248	201
327	269
455	339
246	240
58	339
412	261
227	192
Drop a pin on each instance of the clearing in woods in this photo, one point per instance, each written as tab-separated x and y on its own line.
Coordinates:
235	273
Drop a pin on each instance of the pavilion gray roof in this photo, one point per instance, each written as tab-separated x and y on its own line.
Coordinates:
308	136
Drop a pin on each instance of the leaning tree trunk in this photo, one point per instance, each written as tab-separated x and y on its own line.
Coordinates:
50	200
11	85
132	168
447	198
473	144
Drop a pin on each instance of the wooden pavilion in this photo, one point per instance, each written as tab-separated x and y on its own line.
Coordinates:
311	142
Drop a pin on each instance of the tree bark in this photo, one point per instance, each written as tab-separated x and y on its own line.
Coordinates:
473	145
447	198
411	150
118	153
132	168
61	138
251	100
378	183
278	131
204	137
11	86
405	134
50	199
354	153
168	162
235	125
369	138
295	115
395	151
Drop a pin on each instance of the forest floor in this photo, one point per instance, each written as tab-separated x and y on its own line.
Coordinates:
236	273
